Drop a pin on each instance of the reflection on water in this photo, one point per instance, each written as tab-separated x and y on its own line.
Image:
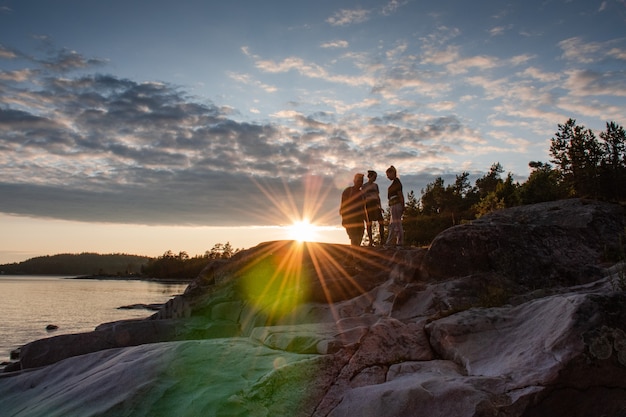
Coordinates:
30	303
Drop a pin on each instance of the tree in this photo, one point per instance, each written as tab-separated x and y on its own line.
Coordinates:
489	182
494	192
441	207
462	186
543	184
227	251
613	164
577	153
221	251
409	219
509	191
433	198
491	202
462	197
411	207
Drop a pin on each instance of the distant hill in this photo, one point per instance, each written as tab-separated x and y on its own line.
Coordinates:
78	264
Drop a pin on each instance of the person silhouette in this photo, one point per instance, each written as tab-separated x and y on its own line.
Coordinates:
352	211
396	205
373	207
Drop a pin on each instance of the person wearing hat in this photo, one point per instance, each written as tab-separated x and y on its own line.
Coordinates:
352	211
373	207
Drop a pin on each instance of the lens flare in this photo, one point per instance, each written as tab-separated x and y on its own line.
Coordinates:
303	231
299	209
276	284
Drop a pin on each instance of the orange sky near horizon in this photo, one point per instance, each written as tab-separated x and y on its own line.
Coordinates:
24	238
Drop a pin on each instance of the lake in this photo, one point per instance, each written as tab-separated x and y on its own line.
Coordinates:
30	303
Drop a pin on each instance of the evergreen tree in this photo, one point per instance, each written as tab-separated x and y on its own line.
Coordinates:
577	153
489	182
543	184
613	165
410	219
433	198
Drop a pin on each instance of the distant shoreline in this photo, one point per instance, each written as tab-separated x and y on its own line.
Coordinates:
133	278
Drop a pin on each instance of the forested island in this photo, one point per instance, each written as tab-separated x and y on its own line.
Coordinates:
169	266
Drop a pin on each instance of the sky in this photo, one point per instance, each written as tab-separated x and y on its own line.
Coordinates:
142	126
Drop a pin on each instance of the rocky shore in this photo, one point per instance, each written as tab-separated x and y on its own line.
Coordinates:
519	313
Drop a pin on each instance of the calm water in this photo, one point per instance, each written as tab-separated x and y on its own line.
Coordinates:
30	303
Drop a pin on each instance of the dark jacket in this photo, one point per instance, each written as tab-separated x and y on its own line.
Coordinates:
352	208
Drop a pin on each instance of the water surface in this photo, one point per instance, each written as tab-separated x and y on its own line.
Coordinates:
30	303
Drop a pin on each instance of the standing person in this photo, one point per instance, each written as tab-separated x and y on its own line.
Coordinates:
373	207
396	204
352	210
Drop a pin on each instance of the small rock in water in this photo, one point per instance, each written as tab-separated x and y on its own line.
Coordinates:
51	327
154	307
15	354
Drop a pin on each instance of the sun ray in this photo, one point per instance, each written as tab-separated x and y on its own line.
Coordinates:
290	209
287	274
302	231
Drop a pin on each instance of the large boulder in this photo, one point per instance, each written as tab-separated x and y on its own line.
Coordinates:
539	246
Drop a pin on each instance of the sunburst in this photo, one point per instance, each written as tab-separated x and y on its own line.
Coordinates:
282	274
300	214
303	231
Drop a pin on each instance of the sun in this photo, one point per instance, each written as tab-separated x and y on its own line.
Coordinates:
302	231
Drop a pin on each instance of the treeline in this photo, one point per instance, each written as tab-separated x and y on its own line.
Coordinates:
182	266
79	264
581	165
169	266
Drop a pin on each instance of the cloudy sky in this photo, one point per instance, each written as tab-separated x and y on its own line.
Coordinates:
142	126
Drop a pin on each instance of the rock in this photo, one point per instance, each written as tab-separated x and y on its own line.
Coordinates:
131	333
154	307
433	388
226	376
538	246
52	327
517	314
15	354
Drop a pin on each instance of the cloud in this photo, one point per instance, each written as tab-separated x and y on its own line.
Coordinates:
76	143
587	107
578	51
591	83
312	70
443	106
66	60
539	75
392	6
441	57
18	76
617	53
7	53
248	80
335	44
98	147
499	30
397	51
481	62
346	17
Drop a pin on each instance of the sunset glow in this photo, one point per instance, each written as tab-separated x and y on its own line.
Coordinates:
303	231
158	142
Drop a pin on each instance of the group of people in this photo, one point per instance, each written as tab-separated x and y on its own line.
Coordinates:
361	207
